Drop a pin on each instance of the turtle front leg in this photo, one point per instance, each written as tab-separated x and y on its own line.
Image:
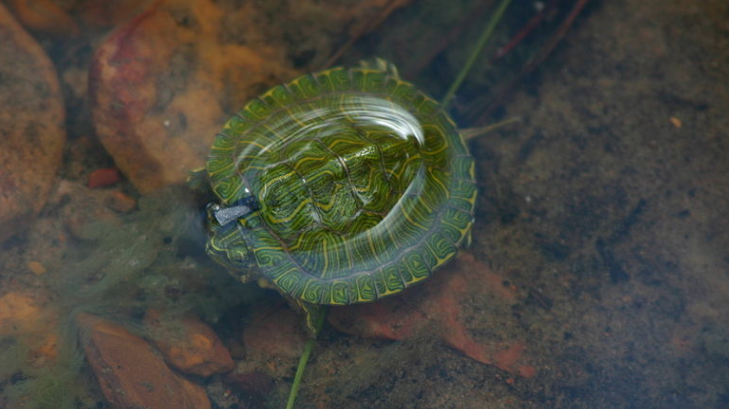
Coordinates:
314	313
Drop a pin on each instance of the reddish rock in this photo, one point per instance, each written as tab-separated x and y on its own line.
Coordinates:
103	14
32	121
36	267
129	371
438	303
121	202
19	313
82	208
103	178
164	83
189	344
23	315
44	16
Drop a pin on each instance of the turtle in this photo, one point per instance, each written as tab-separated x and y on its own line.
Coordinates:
338	187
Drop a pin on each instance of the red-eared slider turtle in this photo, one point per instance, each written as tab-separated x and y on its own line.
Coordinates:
340	187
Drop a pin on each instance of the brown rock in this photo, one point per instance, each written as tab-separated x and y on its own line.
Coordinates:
94	13
163	84
81	221
19	312
130	373
121	202
36	267
158	86
22	315
104	177
31	125
436	305
82	208
189	344
45	17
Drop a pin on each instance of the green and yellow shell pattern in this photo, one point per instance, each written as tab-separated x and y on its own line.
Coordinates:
340	187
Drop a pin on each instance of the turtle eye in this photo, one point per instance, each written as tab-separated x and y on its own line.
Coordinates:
226	215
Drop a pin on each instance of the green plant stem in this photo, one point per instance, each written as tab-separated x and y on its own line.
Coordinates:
308	347
485	36
472	133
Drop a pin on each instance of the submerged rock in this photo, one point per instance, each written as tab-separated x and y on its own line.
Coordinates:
24	316
71	19
189	345
31	126
129	371
103	178
44	16
163	84
437	305
19	313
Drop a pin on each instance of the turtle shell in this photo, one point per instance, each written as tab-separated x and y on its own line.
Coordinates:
363	185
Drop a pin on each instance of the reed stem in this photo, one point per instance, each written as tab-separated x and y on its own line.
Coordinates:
308	347
476	52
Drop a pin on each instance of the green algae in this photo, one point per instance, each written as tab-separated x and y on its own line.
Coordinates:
153	258
55	386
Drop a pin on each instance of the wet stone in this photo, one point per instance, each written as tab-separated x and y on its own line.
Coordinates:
189	345
23	315
31	125
45	17
36	267
164	83
121	202
104	177
107	13
130	372
82	208
19	312
438	306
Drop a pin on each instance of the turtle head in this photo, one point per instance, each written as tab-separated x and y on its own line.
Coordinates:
226	243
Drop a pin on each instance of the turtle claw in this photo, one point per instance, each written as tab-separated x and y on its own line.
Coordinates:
381	64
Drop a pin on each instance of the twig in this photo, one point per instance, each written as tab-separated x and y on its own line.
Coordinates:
538	59
376	20
527	29
485	36
454	34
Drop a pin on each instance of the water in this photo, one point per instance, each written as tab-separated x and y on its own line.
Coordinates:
597	276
